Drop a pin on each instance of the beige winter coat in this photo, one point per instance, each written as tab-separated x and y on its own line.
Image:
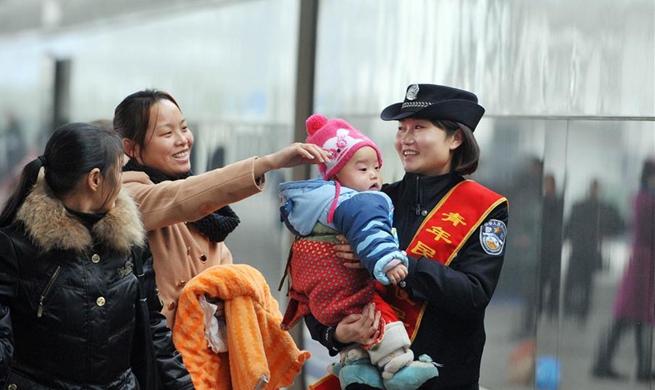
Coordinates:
179	250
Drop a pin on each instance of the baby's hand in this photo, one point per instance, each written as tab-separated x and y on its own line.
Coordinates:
397	274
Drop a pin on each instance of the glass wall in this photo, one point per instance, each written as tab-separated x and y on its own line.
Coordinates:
571	263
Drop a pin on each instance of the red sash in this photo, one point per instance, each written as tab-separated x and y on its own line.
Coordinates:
328	382
440	237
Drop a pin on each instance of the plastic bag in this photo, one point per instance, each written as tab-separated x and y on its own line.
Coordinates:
215	329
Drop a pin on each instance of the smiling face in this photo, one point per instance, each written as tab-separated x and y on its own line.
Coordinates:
362	171
424	148
168	141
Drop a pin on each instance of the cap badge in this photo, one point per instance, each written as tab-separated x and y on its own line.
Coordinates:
412	92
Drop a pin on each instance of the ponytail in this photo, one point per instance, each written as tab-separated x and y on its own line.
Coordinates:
72	151
27	181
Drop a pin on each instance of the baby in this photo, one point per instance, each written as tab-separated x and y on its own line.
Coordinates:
347	200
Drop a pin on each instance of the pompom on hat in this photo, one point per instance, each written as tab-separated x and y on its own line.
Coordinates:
338	138
430	101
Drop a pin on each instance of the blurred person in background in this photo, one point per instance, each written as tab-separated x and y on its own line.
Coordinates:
14	156
13	144
550	261
591	221
453	231
187	216
71	243
522	252
633	306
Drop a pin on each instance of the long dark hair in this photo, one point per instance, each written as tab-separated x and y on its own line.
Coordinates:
132	115
72	151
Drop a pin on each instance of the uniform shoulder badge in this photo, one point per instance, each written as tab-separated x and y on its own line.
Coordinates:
492	236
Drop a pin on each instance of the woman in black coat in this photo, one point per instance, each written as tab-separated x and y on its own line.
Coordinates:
71	249
453	231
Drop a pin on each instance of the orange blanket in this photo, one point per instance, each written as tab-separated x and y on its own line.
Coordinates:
258	347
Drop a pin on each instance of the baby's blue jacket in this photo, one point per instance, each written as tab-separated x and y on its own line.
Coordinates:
365	218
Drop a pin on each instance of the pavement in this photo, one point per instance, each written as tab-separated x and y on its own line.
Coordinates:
573	344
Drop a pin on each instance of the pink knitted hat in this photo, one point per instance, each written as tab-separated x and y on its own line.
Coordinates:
340	139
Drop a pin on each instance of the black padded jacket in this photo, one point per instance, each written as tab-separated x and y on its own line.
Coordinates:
68	295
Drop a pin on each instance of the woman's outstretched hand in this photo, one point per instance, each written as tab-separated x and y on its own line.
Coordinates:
359	328
295	154
300	153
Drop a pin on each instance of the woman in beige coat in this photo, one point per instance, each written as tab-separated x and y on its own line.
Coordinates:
187	217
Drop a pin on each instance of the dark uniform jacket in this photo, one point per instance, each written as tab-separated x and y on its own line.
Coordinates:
67	300
452	329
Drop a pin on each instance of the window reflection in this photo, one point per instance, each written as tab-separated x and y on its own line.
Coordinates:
576	294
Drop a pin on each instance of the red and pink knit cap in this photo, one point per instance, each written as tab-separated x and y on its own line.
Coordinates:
340	139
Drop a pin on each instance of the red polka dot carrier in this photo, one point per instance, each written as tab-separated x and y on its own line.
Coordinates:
322	285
